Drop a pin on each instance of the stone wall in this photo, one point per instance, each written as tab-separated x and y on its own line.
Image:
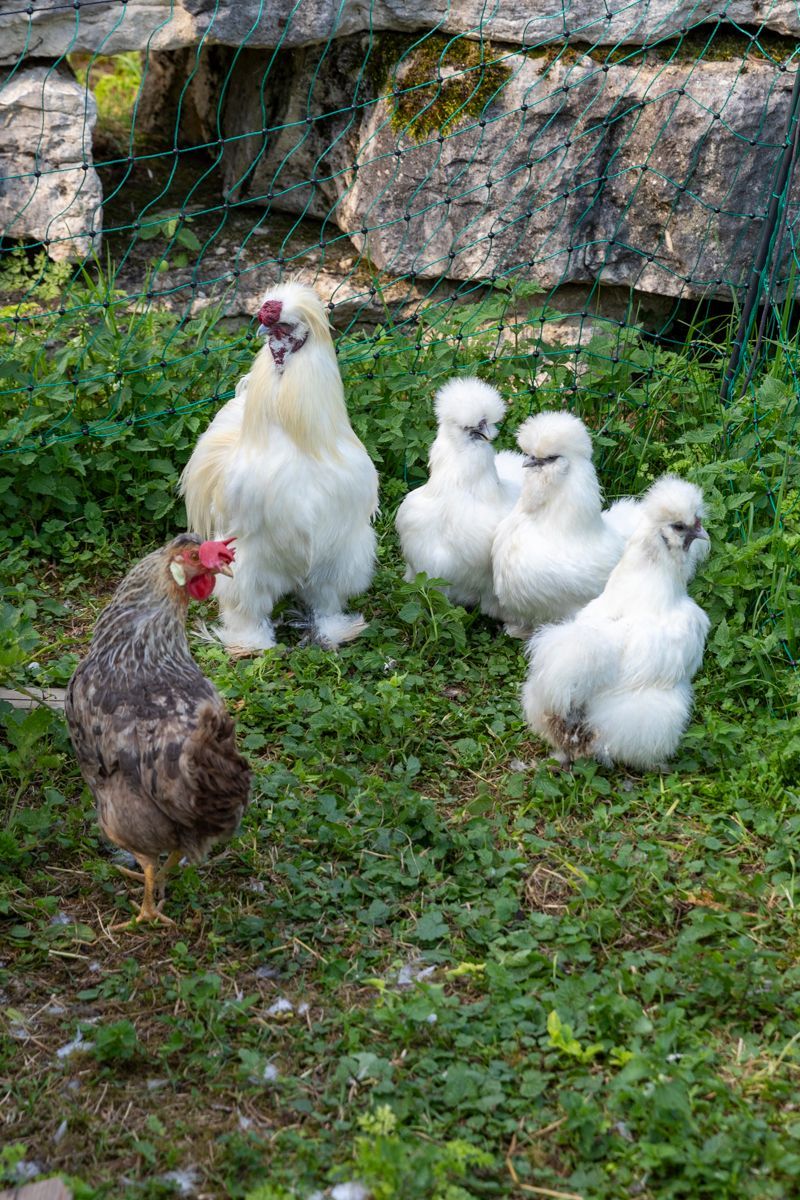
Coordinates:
50	28
652	171
651	174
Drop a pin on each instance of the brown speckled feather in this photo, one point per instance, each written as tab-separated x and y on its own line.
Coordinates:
571	735
152	736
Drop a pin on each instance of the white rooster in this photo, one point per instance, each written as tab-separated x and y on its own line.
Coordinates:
446	526
615	683
281	468
556	548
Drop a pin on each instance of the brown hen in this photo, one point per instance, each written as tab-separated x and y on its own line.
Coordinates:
153	738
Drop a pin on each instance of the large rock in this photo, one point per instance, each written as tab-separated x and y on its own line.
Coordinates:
49	190
51	28
649	174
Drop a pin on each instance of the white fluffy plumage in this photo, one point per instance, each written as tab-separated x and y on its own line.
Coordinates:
615	683
556	548
446	526
281	469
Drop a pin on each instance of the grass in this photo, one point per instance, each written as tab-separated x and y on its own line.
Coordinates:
116	83
429	962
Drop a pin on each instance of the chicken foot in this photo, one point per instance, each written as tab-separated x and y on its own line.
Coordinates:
154	880
328	625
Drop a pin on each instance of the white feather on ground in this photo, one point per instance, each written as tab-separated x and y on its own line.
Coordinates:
556	548
446	526
280	468
615	683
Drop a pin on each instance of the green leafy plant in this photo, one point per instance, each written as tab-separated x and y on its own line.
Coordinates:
439	945
115	1043
32	275
561	1038
393	1164
10	1158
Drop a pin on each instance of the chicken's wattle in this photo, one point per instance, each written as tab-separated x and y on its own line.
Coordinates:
200	587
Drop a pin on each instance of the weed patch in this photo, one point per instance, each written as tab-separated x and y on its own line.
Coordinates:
431	962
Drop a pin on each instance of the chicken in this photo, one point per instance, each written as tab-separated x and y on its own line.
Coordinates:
623	516
446	526
281	467
615	683
509	465
555	550
153	739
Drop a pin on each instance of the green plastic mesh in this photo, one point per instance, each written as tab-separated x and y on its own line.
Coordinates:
599	201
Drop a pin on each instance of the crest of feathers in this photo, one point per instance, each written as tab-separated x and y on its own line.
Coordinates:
467	402
554	433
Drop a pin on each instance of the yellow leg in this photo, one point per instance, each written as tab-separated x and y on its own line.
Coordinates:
172	861
149	910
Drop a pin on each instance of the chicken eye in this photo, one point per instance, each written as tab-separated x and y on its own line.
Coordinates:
679	527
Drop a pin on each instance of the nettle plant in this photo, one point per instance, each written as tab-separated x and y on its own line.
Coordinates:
95	456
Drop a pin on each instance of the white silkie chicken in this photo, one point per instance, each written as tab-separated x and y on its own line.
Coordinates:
281	468
446	526
615	683
556	548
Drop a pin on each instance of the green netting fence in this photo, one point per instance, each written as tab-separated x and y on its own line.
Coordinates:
584	190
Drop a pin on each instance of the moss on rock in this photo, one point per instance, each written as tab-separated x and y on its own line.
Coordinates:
437	82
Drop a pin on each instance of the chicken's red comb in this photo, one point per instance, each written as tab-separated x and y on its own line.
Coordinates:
270	312
217	554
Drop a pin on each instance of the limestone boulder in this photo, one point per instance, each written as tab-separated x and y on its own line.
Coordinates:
184	88
50	28
691	157
652	174
293	149
49	190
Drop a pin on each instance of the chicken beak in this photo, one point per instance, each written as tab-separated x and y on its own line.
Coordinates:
697	533
224	569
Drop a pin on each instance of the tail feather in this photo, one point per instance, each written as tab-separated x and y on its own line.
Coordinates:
216	779
202	480
623	516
